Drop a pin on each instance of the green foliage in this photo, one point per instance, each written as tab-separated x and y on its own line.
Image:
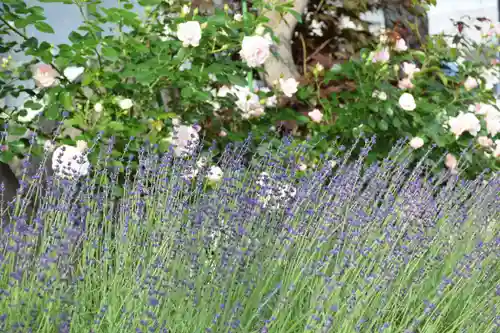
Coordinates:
140	62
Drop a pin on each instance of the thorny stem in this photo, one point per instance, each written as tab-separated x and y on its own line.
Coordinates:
304	54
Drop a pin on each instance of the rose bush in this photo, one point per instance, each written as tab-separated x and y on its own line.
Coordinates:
178	79
440	98
171	66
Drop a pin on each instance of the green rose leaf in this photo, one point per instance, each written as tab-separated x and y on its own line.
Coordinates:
110	53
52	112
44	27
6	156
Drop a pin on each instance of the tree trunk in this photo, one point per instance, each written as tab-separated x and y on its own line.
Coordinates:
283	65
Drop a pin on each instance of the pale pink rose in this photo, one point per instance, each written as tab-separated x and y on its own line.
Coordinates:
400	45
416	142
222	133
189	33
410	69
471	83
464	122
405	84
255	50
493	122
451	162
484	141
45	76
247	102
289	86
315	115
381	56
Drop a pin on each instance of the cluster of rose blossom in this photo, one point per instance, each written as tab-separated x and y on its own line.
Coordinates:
469	122
464	121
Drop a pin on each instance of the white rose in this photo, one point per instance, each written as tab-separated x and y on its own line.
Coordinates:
271	101
464	122
416	142
98	107
125	104
189	33
288	86
407	102
380	95
184	140
72	73
223	91
45	76
215	174
70	162
255	50
238	17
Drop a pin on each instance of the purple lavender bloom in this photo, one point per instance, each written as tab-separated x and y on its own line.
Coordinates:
342	247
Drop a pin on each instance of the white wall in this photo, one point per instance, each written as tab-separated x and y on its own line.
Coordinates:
439	15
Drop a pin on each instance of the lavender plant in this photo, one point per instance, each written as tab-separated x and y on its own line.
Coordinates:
196	247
